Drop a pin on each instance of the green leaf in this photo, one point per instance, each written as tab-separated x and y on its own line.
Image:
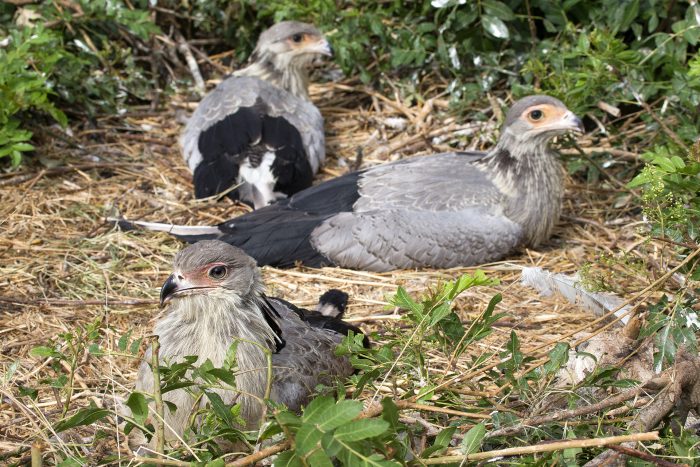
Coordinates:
665	163
495	27
81	418
316	409
308	438
498	9
124	340
224	375
139	407
472	440
318	458
440	312
558	356
390	412
442	441
445	436
340	414
402	300
361	429
22	147
221	409
43	351
288	459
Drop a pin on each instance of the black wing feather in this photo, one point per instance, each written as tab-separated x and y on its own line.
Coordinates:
280	234
317	320
247	134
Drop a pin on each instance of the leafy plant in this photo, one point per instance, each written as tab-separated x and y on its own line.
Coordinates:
328	429
26	61
60	60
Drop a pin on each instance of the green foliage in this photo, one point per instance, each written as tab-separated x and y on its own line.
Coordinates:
25	63
670	185
584	52
619	52
671	193
70	350
330	430
78	59
674	325
434	323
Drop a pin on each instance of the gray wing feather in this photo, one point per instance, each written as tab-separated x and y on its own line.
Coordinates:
443	182
306	360
243	91
402	239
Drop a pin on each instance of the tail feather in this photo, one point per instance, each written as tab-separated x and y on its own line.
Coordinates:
333	303
279	234
196	232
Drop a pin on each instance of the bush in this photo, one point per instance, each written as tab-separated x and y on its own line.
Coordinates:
628	53
79	61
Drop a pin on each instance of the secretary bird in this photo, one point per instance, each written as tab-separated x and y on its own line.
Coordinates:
216	297
258	131
441	211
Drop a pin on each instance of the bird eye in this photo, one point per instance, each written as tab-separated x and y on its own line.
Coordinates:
297	37
536	115
217	272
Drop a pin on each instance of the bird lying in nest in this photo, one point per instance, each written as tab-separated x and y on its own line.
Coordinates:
216	298
441	211
258	128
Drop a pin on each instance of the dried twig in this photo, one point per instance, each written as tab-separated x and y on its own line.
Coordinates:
184	49
644	456
544	447
568	414
45	302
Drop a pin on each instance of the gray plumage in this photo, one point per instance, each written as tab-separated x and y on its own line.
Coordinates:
444	210
245	91
275	86
207	314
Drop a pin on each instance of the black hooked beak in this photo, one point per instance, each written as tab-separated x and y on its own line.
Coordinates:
168	289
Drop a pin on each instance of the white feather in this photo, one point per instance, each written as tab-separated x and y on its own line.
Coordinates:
571	288
171	228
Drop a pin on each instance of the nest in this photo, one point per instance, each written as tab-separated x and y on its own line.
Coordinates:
62	265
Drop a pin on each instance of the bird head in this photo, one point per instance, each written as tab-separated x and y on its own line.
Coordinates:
212	268
291	43
540	118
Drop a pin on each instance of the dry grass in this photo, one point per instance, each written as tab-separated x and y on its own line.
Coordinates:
61	265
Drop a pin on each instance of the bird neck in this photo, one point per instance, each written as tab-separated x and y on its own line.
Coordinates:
530	174
207	325
283	71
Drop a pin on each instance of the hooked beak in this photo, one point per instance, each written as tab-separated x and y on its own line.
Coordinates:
568	122
571	122
323	47
168	290
176	284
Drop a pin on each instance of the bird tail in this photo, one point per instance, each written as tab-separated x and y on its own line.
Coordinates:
333	303
188	233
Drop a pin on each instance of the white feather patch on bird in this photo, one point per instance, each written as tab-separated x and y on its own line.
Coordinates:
262	178
571	288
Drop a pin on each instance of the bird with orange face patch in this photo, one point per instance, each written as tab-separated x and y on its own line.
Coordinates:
441	211
257	135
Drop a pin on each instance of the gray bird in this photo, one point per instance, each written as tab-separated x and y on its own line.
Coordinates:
441	211
258	129
215	297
